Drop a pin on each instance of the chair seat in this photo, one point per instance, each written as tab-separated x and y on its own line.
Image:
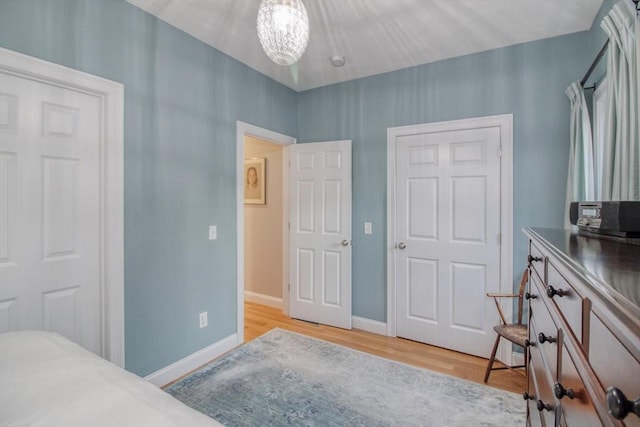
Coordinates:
514	332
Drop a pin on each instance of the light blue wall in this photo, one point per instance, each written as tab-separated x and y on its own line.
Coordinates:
527	80
182	100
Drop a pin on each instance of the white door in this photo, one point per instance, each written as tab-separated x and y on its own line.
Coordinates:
50	234
448	237
320	232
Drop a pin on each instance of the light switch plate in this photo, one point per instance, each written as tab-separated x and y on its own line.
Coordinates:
213	232
367	228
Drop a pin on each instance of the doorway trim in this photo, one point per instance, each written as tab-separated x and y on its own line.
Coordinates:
245	129
111	98
505	123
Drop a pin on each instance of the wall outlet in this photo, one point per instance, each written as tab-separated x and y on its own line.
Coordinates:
204	321
213	232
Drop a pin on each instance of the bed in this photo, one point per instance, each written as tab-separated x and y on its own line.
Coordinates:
47	380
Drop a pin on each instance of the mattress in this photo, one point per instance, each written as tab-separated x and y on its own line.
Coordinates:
47	380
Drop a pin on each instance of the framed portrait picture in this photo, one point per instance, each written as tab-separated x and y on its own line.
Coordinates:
255	184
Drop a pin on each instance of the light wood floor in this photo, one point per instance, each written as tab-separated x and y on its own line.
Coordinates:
260	319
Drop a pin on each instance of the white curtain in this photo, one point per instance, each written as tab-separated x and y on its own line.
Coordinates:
581	171
621	162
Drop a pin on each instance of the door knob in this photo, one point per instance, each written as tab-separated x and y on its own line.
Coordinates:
551	292
618	404
544	406
542	338
401	245
561	392
533	259
345	242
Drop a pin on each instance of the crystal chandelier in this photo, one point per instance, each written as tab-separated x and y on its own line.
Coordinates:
283	30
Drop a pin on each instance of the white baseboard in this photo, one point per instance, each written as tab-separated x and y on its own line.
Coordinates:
263	299
182	367
369	325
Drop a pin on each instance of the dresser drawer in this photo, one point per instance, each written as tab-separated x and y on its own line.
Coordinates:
534	417
614	365
569	302
544	405
536	288
542	326
548	351
537	260
577	410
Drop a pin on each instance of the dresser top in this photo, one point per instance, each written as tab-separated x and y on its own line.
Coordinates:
609	265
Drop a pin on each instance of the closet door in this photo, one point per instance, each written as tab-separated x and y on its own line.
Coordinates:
448	237
50	260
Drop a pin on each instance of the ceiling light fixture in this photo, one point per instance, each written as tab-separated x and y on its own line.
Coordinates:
283	30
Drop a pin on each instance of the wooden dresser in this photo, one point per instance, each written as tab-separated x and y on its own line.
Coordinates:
584	330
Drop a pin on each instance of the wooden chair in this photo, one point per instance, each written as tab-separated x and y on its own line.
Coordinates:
514	332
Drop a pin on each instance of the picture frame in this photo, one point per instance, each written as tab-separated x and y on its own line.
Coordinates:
255	187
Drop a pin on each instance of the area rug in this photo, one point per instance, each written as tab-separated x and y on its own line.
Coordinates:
283	378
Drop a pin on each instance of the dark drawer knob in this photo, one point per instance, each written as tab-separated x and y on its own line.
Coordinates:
528	343
527	396
531	259
544	406
527	295
561	392
552	292
542	338
618	404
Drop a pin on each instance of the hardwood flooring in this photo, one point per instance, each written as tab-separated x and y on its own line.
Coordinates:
260	319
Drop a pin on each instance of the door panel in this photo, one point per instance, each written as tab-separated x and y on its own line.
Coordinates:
423	217
320	233
423	289
468	194
467	289
331	283
447	229
8	208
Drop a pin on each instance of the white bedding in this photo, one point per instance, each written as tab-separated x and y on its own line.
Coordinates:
47	380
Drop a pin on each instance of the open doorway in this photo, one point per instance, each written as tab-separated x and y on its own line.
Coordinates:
258	249
263	224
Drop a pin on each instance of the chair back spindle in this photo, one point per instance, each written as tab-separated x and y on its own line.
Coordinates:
521	290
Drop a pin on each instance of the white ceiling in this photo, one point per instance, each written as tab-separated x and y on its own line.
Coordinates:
375	36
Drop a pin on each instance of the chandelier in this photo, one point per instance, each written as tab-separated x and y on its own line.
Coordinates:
283	30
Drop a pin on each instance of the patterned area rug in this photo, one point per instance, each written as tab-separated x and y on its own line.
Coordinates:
283	378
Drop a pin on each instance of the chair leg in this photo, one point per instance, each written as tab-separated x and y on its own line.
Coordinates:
491	359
